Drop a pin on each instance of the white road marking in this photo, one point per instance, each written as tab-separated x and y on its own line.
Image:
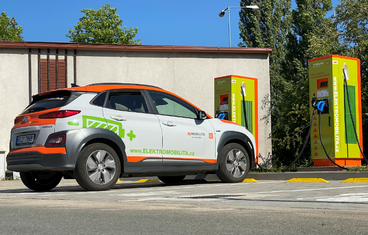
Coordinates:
344	199
313	189
347	197
146	194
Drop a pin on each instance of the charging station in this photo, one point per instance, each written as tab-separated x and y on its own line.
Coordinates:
327	84
232	94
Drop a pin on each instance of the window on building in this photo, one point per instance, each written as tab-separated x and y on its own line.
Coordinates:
57	75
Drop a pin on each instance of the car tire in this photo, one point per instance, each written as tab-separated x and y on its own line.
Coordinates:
234	163
171	179
97	168
40	180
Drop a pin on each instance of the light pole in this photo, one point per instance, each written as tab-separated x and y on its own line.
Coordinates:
222	13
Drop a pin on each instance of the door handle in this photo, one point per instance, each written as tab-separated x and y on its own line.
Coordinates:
169	123
118	118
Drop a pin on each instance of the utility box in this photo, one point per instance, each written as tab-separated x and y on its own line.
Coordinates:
229	102
326	83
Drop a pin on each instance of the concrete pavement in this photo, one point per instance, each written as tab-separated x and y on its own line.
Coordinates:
327	175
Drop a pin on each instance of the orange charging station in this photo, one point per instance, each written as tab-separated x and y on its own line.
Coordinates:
326	83
232	92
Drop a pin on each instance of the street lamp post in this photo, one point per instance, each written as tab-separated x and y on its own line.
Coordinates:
222	13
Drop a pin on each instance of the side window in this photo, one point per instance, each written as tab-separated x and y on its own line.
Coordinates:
100	99
128	101
170	105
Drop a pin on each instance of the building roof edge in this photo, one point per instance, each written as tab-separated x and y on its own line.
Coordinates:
118	47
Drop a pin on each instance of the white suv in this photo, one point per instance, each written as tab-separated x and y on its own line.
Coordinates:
100	132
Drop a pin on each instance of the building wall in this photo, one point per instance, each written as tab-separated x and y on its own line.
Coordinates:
13	94
188	74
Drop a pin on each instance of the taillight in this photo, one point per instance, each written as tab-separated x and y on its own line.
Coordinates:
59	114
56	140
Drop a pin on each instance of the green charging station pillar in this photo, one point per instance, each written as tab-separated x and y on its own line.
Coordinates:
229	102
326	82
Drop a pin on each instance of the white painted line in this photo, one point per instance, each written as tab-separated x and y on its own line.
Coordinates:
312	189
147	194
343	199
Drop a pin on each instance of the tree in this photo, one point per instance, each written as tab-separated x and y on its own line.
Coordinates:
102	26
290	35
352	22
309	21
9	30
268	27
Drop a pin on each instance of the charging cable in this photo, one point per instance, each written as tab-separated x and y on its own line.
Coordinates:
323	146
318	105
351	115
305	143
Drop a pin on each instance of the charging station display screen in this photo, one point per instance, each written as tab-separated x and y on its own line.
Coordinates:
324	84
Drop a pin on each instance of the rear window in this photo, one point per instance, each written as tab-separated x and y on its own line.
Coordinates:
51	100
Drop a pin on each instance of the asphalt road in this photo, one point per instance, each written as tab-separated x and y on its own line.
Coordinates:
266	207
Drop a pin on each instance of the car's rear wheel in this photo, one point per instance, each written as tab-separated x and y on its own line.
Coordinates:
171	179
40	180
98	167
234	163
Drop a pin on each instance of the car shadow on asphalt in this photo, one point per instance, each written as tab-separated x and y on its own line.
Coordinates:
121	185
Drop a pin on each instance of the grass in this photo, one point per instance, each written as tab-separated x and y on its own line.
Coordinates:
8	178
294	169
274	169
358	168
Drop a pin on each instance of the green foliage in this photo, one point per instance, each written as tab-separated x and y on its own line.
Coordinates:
351	19
8	178
274	169
348	37
308	22
358	168
102	26
9	30
268	28
290	34
295	37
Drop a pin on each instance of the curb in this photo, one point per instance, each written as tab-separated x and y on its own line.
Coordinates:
344	177
315	174
306	180
284	176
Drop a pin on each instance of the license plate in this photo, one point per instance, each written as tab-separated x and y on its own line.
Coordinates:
25	139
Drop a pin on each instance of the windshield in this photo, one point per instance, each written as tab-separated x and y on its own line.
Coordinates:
51	100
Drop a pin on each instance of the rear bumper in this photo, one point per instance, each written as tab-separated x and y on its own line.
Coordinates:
35	158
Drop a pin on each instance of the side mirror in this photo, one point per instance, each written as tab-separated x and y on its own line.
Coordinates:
202	115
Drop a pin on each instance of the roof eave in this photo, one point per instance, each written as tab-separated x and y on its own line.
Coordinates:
119	47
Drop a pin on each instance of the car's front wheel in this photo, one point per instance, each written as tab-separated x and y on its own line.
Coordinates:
234	163
40	180
98	167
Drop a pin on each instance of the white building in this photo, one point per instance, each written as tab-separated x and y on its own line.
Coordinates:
27	68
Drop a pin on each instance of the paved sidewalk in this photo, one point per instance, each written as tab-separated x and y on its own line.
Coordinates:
14	184
327	175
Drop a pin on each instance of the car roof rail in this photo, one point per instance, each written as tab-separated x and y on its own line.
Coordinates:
124	84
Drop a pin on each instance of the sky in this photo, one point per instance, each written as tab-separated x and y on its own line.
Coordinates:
159	22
